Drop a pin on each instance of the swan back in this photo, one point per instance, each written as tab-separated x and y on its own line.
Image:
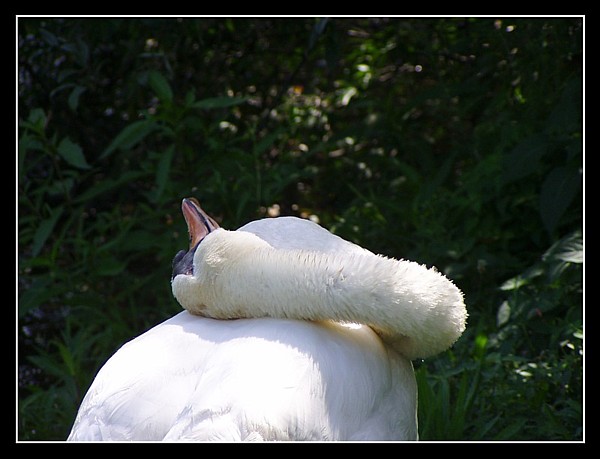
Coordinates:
194	378
291	233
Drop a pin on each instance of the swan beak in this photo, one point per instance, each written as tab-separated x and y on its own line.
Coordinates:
199	223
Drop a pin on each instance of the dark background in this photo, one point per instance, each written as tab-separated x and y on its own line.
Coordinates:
454	142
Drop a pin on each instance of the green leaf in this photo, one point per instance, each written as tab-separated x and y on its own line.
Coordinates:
190	97
73	99
569	249
558	191
567	114
219	102
316	32
48	363
72	153
43	231
160	86
109	266
80	51
36	121
108	184
503	314
481	434
512	429
130	136
49	37
40	290
27	143
480	345
266	142
67	358
520	280
162	171
525	158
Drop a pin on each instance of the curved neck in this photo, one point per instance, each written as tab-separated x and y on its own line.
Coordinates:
416	310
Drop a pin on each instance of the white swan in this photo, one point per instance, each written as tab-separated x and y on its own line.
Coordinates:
343	372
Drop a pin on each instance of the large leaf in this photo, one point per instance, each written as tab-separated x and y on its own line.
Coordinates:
160	86
44	229
130	136
524	159
36	121
74	96
162	171
108	185
39	292
72	153
558	191
569	249
219	102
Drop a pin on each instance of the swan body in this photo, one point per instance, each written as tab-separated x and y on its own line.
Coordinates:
320	348
194	378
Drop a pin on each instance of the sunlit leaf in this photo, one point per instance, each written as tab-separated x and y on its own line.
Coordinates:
522	279
503	314
569	249
347	94
481	342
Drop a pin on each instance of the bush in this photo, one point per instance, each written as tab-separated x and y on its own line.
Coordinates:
524	380
452	142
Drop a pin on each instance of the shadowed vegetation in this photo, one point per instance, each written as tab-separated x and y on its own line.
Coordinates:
448	141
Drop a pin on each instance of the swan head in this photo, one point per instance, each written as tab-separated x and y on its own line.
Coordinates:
212	249
199	224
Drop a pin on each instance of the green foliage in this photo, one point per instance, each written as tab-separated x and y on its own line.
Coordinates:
452	142
524	380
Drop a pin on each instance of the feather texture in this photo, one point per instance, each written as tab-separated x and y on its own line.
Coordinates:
193	378
416	310
320	347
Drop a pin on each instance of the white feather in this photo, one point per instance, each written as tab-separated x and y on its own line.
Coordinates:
303	361
416	310
193	378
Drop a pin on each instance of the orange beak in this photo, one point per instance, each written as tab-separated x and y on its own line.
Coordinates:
199	223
